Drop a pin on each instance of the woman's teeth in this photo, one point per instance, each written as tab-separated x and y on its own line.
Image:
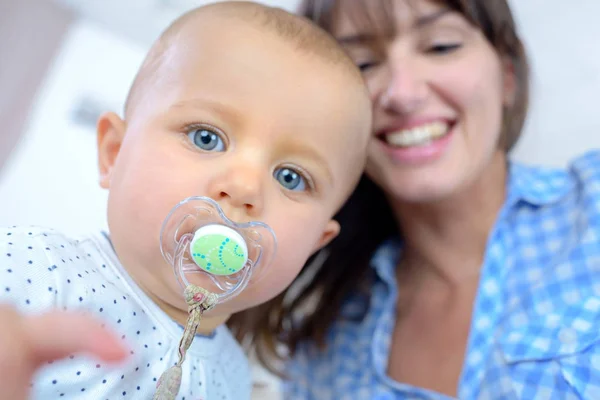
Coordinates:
417	136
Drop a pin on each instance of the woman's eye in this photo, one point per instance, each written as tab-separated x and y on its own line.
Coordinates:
290	179
444	48
207	139
363	66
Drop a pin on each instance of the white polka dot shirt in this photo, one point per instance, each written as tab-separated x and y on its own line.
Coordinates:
42	269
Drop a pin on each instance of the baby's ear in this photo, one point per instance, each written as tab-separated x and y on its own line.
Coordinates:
332	229
110	132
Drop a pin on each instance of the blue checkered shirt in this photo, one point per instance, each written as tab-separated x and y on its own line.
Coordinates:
535	332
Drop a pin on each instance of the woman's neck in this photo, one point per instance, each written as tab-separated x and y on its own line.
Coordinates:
446	240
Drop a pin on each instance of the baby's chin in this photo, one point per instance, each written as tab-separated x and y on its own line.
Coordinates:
244	301
257	292
237	304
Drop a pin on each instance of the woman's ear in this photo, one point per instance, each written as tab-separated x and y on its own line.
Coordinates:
110	133
509	82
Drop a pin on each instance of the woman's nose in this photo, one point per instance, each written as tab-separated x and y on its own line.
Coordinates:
405	89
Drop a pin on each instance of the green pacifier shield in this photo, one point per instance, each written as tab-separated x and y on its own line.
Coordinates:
219	250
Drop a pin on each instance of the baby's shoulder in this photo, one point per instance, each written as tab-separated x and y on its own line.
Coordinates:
36	240
27	249
41	267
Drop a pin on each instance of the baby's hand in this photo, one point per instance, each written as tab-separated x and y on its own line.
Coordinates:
28	342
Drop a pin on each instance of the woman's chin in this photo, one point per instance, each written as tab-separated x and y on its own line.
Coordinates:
423	187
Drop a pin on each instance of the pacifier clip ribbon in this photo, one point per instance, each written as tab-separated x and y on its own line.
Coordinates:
199	300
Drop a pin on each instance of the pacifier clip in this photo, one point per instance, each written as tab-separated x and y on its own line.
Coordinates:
199	300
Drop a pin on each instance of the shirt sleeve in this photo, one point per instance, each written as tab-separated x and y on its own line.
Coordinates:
29	277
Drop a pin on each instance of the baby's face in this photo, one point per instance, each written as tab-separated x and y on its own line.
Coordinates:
269	132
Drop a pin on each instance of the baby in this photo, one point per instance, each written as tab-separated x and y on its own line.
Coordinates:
248	105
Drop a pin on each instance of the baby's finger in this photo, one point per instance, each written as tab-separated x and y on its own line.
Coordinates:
15	370
56	335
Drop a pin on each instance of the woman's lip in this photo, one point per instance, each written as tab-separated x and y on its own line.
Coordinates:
410	124
416	155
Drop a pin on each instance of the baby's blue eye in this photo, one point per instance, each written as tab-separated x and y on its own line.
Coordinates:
290	179
207	140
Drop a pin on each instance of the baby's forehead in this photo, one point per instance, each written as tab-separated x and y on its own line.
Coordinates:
188	34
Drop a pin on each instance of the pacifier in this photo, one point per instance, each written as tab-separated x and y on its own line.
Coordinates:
207	249
213	259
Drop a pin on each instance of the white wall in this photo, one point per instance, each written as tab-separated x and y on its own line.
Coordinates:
143	20
51	177
563	39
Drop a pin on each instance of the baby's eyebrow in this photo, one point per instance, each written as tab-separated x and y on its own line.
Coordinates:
301	149
233	116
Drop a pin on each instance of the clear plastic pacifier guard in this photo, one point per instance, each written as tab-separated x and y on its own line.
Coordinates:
213	259
209	250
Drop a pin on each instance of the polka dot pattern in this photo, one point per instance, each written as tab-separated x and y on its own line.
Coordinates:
41	269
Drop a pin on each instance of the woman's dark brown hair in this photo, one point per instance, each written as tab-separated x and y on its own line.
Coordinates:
307	309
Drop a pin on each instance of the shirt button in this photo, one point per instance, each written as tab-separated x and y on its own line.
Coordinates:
567	335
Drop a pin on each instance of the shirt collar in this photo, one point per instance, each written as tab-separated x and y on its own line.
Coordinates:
536	185
383	264
385	259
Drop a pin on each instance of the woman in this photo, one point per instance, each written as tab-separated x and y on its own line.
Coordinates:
458	273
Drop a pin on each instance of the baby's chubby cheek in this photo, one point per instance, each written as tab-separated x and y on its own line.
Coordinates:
294	247
264	290
270	282
135	220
